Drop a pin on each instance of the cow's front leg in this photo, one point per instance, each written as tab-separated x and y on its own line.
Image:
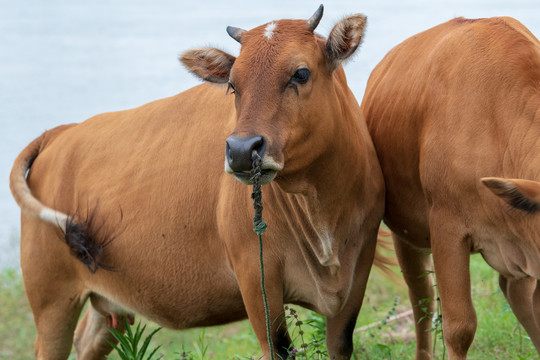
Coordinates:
451	254
519	294
536	310
340	328
339	331
248	273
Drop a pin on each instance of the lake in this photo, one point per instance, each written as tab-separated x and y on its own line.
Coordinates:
64	61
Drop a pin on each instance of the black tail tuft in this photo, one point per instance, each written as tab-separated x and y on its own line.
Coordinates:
87	240
82	246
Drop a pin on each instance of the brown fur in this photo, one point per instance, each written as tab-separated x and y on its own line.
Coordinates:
186	255
446	109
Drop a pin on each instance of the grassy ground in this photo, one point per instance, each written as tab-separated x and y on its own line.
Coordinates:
498	336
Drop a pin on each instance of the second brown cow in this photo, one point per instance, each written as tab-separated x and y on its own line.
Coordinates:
454	113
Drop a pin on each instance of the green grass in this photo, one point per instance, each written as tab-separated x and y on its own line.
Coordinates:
498	336
17	331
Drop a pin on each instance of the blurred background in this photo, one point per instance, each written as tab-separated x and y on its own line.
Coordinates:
63	61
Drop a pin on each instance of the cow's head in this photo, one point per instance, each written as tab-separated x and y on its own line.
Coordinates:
284	86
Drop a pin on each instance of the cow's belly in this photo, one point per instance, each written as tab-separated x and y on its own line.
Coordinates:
176	282
179	294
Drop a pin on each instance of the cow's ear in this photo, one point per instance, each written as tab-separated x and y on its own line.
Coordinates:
209	64
344	39
520	194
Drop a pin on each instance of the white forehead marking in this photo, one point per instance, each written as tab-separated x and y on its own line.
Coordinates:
269	31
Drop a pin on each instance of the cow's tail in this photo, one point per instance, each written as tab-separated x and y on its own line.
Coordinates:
77	236
382	260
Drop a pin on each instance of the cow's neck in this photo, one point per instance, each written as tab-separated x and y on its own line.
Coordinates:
332	198
330	215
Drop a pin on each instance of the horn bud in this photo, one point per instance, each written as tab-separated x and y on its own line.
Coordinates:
235	33
314	20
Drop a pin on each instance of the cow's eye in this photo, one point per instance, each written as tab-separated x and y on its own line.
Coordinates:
301	76
230	87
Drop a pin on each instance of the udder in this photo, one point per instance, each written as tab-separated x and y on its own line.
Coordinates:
113	312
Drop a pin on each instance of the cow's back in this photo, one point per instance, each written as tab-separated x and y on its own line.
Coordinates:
121	161
447	107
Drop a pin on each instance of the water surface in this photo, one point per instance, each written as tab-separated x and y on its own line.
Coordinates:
64	61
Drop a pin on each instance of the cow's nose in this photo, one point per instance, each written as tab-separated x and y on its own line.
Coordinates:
239	149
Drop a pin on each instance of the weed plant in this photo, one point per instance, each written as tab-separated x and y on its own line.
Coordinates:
128	343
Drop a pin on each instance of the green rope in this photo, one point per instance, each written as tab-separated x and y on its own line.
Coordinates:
260	227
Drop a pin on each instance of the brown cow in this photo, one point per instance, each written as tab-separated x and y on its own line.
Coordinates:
449	109
143	194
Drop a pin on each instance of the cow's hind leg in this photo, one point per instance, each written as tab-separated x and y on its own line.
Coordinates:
416	267
451	248
56	310
93	338
519	294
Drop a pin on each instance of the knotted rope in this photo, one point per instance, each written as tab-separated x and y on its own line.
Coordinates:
260	227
